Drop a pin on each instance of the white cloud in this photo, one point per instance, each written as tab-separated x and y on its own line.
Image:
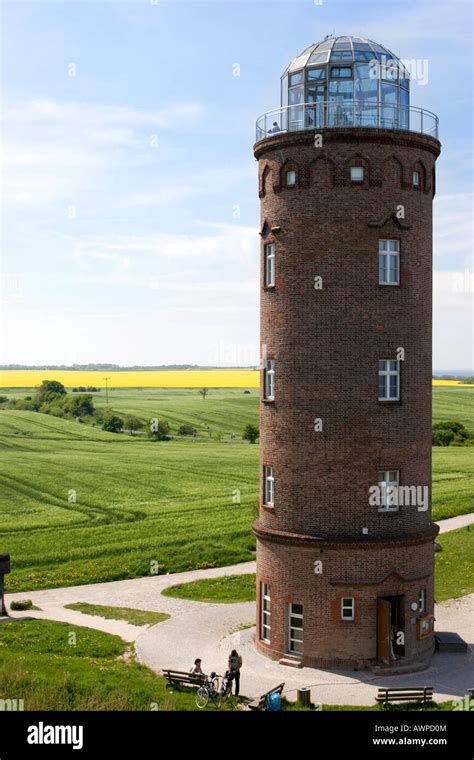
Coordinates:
453	227
93	114
68	146
229	241
453	320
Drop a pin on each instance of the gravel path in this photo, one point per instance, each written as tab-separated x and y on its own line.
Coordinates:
210	631
452	523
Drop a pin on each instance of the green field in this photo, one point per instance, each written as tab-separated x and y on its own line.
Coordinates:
79	505
455	403
228	410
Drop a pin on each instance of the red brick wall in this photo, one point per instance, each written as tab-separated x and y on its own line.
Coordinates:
326	344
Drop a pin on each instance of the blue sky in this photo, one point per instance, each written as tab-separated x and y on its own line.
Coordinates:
130	209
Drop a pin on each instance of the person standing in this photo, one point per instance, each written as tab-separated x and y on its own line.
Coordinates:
235	663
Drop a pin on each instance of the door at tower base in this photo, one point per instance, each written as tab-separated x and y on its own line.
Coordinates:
384	609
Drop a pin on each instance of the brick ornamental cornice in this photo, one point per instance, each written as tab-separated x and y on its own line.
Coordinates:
315	542
348	135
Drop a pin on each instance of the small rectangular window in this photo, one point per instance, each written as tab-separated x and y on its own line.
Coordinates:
389	380
269	387
347	608
357	173
296	78
389	262
295	628
318	73
388	486
416	179
270	265
291	178
269	486
265	612
341	55
341	72
422	600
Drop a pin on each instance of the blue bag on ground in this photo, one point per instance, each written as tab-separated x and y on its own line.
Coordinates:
274	702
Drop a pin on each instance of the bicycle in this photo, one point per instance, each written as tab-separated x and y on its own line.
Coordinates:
225	692
208	690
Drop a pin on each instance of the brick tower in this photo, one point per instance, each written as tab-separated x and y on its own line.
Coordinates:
345	539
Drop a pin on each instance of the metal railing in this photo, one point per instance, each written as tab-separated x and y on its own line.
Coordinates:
352	113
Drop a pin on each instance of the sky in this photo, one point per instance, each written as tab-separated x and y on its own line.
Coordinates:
130	212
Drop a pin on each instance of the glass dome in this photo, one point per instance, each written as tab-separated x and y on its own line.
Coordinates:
344	81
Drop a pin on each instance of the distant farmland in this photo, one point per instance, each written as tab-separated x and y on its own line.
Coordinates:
200	378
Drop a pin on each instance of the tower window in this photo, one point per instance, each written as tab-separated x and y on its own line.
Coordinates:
389	380
416	179
290	178
296	78
389	262
269	380
319	73
388	485
269	278
268	486
265	612
422	600
296	628
347	608
357	173
341	71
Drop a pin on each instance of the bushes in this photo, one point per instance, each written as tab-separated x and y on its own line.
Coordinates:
23	404
69	406
86	389
187	430
450	432
251	433
159	430
132	423
111	422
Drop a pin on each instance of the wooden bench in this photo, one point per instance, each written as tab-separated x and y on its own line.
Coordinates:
183	678
409	694
260	703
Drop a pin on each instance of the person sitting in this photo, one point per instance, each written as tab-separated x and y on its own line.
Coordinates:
275	128
196	670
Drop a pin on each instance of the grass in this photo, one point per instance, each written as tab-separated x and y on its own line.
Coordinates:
135	617
454	403
80	505
23	604
454	566
40	666
453	481
227	589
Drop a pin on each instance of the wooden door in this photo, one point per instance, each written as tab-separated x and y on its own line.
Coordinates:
384	610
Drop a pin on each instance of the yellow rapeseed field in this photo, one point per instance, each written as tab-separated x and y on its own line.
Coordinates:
205	378
202	378
451	383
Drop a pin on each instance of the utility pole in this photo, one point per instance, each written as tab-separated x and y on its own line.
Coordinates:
106	390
